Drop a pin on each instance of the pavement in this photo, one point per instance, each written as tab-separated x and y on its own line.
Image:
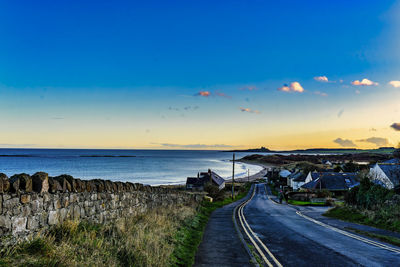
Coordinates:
221	245
296	241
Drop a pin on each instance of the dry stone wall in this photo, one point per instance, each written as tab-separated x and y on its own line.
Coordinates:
31	204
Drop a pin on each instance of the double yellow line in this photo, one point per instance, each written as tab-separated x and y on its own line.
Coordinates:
253	237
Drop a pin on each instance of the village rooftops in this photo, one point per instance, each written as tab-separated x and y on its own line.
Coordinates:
333	181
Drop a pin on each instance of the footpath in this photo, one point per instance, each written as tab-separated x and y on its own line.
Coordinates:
221	245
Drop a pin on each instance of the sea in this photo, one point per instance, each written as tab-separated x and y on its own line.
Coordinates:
153	167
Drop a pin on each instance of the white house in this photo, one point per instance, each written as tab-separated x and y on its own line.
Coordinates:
386	174
311	176
297	180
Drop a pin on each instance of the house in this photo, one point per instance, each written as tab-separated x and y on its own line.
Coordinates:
198	183
332	181
298	179
386	173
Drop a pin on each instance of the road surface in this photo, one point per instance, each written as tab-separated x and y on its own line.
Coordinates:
297	241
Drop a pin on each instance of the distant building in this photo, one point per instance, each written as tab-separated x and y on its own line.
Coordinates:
327	162
386	173
332	181
198	183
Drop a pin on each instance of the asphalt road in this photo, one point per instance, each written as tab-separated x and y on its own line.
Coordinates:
296	241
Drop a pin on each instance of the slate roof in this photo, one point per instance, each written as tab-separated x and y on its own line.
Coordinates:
392	171
284	173
333	181
217	179
197	182
299	177
204	177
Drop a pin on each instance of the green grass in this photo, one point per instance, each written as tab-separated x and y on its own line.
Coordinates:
305	203
388	239
190	235
349	214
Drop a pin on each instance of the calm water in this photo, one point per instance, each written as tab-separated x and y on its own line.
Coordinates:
148	166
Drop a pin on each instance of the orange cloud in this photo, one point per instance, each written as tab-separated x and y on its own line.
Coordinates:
395	83
323	79
293	87
364	82
249	110
204	93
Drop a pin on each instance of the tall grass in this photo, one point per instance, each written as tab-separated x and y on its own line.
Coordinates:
146	240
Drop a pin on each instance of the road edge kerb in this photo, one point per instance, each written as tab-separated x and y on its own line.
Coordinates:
351	235
239	233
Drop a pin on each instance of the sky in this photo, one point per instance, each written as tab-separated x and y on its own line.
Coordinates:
199	74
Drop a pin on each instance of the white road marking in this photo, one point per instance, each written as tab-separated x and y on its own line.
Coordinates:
363	239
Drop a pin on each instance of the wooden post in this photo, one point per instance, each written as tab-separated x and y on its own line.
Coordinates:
233	176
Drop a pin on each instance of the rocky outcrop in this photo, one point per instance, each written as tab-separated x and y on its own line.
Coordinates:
31	204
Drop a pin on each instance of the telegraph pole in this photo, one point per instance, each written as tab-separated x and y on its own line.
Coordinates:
233	176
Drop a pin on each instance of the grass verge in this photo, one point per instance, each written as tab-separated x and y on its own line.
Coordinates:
388	239
190	234
349	214
305	203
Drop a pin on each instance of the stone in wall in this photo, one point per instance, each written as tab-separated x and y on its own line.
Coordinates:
21	182
65	185
54	185
40	182
4	183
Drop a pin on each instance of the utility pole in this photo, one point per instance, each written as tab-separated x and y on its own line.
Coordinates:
233	176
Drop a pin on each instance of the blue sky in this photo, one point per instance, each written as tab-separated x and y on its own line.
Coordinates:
137	67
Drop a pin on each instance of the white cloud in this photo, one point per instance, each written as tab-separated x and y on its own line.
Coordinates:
364	82
323	79
395	83
293	87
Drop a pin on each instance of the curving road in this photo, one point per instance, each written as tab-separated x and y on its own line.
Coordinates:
296	241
